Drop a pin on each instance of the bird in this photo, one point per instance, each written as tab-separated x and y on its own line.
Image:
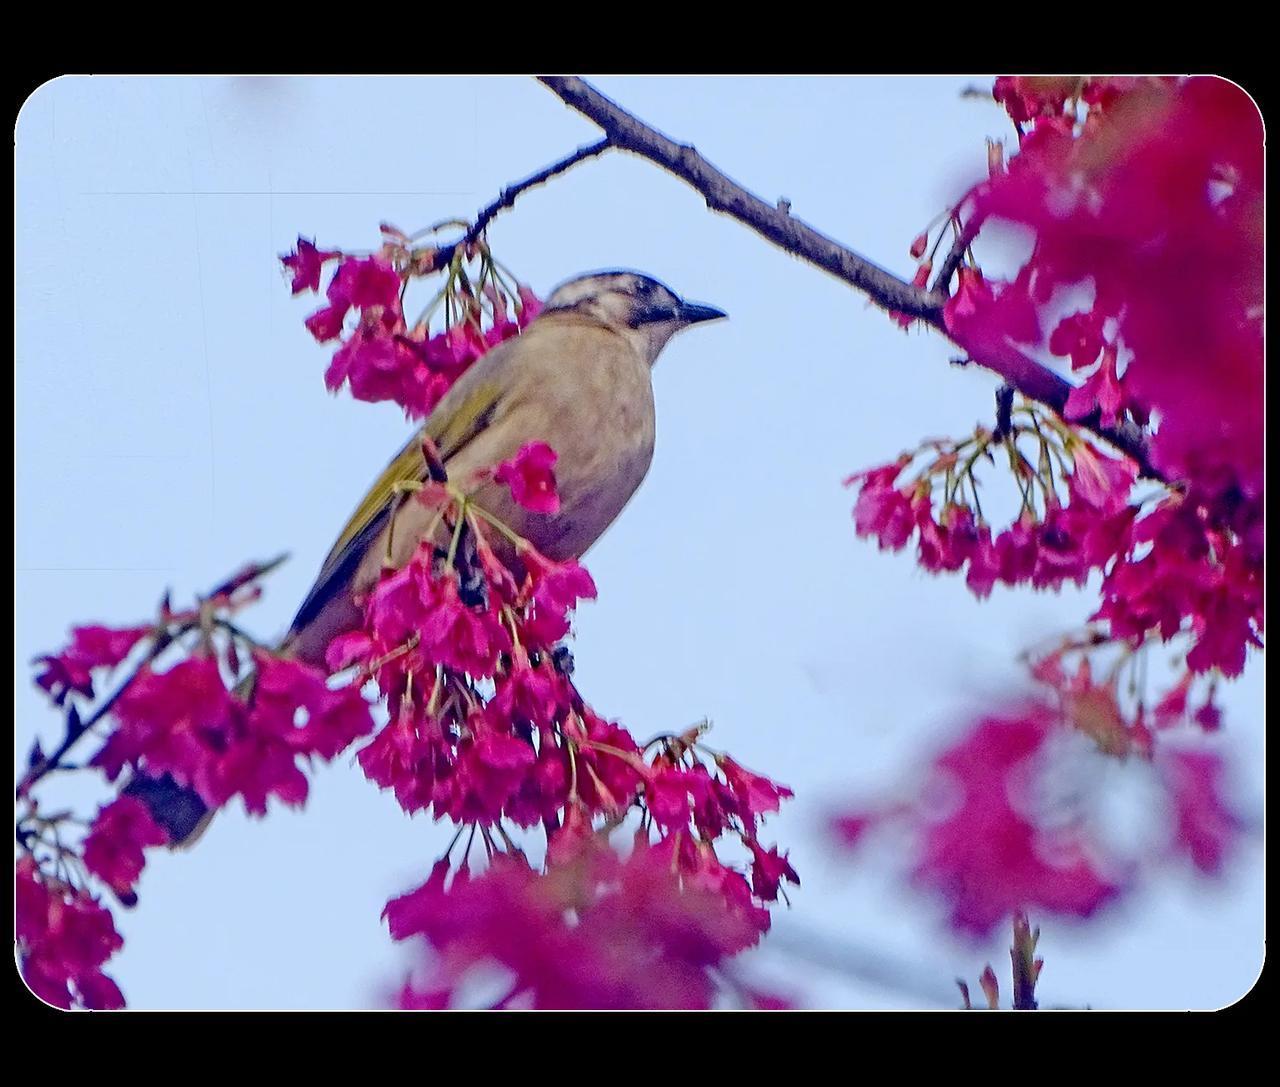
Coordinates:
579	378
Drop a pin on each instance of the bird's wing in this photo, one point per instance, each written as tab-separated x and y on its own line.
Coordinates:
468	408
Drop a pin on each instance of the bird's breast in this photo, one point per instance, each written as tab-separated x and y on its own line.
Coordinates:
604	443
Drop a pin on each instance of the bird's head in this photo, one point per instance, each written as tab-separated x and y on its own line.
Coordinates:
637	306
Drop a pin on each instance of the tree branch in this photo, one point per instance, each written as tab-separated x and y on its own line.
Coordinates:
508	196
725	195
163	637
511	193
779	226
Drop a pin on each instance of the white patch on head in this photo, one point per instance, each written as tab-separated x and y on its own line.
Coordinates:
594	286
614	298
573	292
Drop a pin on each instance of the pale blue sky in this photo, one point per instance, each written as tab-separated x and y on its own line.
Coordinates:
171	422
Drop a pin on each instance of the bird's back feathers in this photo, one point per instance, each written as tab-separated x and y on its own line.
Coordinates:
450	427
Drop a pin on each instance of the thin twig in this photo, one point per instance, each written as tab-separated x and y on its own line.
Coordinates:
1004	413
76	728
508	196
1026	967
164	638
511	193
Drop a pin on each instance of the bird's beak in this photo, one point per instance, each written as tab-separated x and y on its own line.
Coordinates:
693	312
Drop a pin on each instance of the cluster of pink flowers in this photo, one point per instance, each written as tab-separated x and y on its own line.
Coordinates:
999	843
1148	192
64	937
1166	569
1178	572
189	724
487	729
1155	197
1066	528
1132	199
381	355
1134	722
186	723
596	930
113	849
998	846
1202	825
91	648
989	852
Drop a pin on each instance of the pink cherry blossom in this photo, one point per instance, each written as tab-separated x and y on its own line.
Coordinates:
530	475
1205	829
63	939
305	264
92	647
113	849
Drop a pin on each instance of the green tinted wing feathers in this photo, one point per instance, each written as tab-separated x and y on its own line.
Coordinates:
451	429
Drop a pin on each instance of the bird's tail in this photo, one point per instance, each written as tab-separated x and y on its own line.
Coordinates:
178	808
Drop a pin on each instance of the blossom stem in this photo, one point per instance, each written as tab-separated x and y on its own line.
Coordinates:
629	757
572	748
507	840
605	794
424	318
457	224
497	523
76	729
394	654
454	841
435	690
